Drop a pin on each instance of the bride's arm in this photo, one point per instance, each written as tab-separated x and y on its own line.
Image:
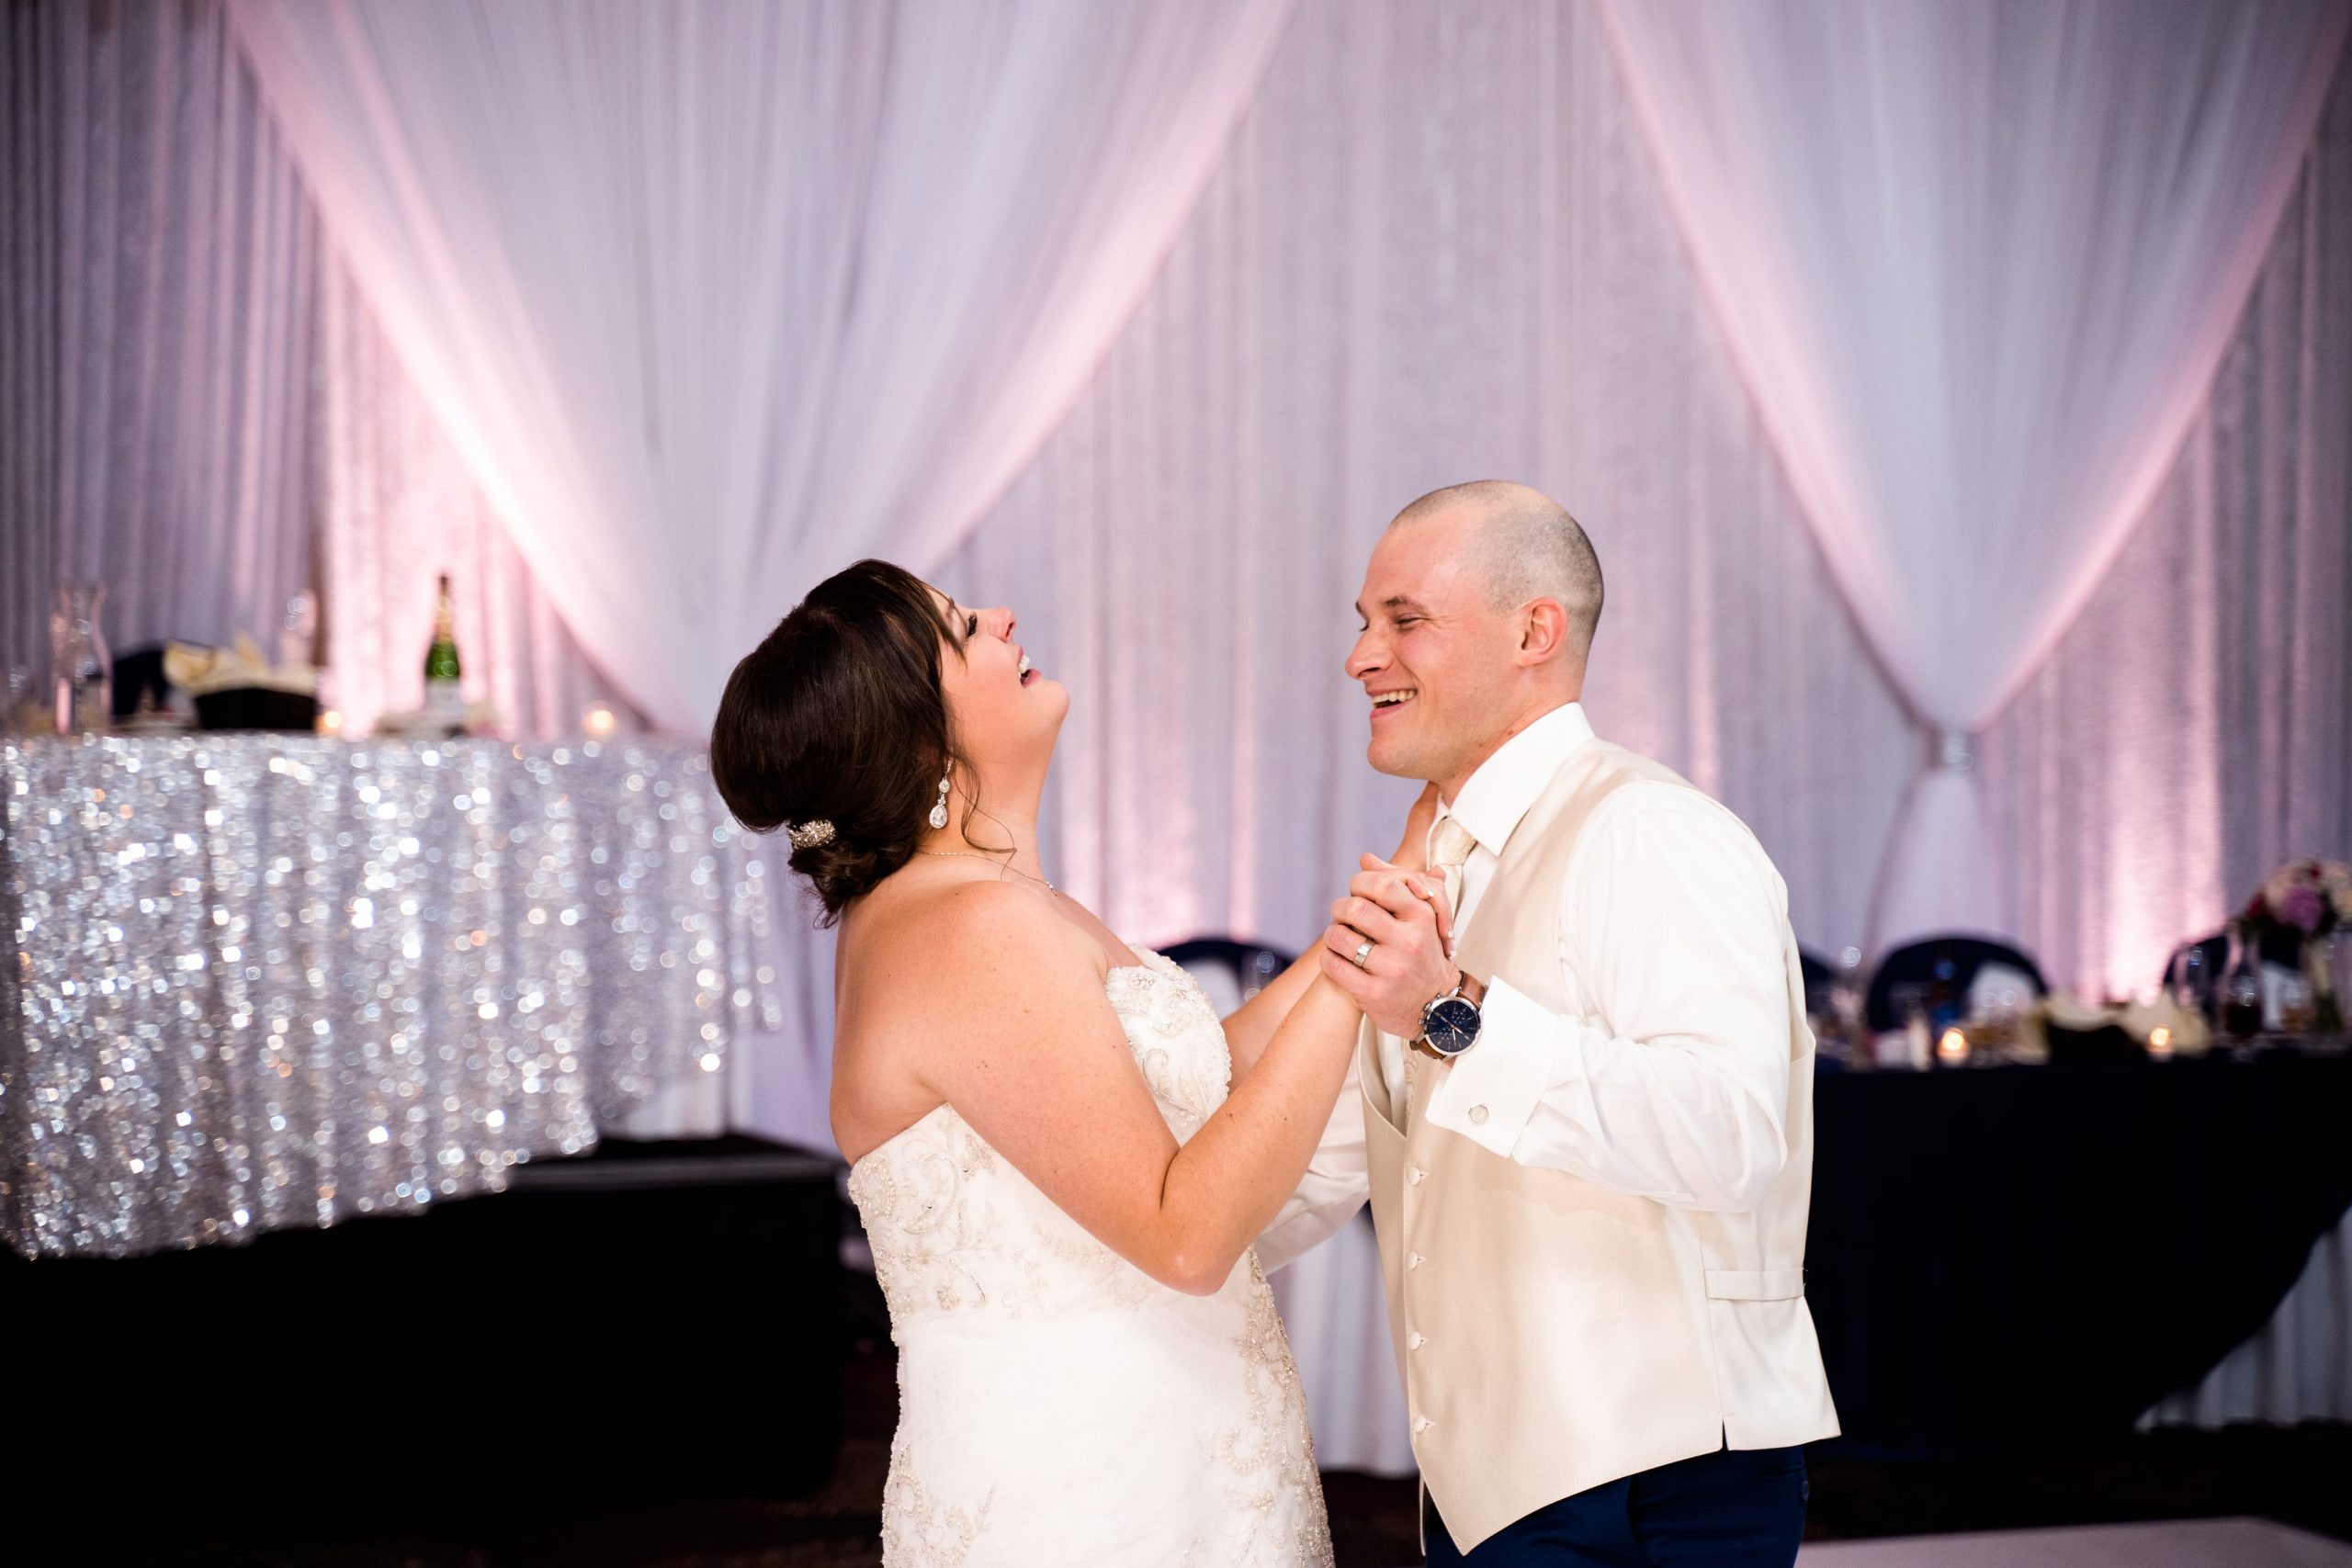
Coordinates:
1251	1025
1027	1049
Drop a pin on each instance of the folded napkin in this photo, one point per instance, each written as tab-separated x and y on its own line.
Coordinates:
200	672
2188	1033
479	718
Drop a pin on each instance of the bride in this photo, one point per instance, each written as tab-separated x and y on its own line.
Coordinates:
1060	1157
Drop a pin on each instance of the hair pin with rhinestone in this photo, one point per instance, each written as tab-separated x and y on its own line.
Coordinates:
808	835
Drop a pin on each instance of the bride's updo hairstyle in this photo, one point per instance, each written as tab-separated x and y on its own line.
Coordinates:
839	716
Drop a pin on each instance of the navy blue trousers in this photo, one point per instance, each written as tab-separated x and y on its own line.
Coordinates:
1733	1508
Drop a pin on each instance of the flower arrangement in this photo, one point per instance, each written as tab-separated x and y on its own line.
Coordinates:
2304	898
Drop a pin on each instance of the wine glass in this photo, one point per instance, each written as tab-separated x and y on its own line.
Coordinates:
82	667
1996	1030
297	633
2298	1007
15	718
2335	957
2240	990
2192	981
1909	1002
1848	992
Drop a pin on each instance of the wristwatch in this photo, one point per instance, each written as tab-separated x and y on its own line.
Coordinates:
1449	1022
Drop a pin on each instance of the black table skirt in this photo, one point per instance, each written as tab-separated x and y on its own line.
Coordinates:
1997	1257
2019	1253
651	1323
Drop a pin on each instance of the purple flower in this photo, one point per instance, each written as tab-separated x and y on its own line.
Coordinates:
2301	908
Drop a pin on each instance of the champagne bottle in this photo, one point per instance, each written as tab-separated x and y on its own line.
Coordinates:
442	697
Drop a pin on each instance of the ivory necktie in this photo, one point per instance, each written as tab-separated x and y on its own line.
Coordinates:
1449	845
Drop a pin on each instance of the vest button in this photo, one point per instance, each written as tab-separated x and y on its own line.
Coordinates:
1412	1261
1423	1425
1415	1176
1416	1339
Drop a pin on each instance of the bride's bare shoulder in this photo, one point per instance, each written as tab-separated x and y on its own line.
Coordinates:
920	975
960	934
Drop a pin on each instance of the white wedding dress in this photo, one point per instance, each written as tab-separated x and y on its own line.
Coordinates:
1056	1405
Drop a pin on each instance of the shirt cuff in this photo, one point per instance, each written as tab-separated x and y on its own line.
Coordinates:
1493	1088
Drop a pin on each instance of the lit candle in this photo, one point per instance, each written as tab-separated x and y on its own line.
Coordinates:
1953	1049
599	721
2160	1043
330	721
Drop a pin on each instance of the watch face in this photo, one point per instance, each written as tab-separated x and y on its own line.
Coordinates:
1451	1025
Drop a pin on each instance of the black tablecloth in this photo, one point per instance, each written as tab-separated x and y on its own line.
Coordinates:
2019	1253
655	1321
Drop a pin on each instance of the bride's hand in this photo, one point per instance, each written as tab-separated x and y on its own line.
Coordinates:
1425	886
1412	854
1389	946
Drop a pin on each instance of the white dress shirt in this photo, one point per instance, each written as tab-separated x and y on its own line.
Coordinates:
1667	1077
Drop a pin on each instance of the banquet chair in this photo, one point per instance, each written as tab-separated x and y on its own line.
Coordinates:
1231	972
1945	965
1820	982
139	673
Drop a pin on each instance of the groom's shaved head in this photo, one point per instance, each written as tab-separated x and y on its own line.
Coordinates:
1479	607
1520	545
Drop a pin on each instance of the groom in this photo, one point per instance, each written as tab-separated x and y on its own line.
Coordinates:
1587	1108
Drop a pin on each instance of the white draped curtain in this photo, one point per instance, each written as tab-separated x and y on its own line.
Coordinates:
397	507
2193	728
157	267
1438	246
717	296
1978	263
1368	304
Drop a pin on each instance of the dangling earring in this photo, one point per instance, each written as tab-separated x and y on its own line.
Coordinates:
939	811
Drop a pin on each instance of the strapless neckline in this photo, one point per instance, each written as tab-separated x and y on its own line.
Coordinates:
1056	1403
917	1124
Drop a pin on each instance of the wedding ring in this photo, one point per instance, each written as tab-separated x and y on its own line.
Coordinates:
1362	953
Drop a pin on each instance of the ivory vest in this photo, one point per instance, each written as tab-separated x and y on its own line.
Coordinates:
1554	1334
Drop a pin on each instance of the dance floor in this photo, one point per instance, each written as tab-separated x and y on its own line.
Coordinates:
2025	1508
2182	1543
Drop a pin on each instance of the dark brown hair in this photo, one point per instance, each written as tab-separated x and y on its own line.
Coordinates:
839	716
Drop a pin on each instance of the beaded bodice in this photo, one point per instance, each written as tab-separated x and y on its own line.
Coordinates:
955	1228
1056	1404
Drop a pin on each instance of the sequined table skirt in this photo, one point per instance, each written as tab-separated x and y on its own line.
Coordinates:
265	981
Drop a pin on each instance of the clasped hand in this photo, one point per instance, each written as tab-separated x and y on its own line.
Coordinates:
1400	910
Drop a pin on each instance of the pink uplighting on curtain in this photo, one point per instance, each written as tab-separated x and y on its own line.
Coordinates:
1977	264
714	297
1435	245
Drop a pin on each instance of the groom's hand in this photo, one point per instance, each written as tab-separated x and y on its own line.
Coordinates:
1422	884
1401	914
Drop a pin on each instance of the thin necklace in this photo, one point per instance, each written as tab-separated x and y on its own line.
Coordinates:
1008	865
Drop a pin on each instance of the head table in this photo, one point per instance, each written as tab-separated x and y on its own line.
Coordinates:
2044	1254
263	981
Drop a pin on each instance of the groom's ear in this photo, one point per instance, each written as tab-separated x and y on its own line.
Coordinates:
1543	631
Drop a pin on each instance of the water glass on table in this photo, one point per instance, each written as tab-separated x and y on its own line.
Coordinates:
2298	1007
2238	996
